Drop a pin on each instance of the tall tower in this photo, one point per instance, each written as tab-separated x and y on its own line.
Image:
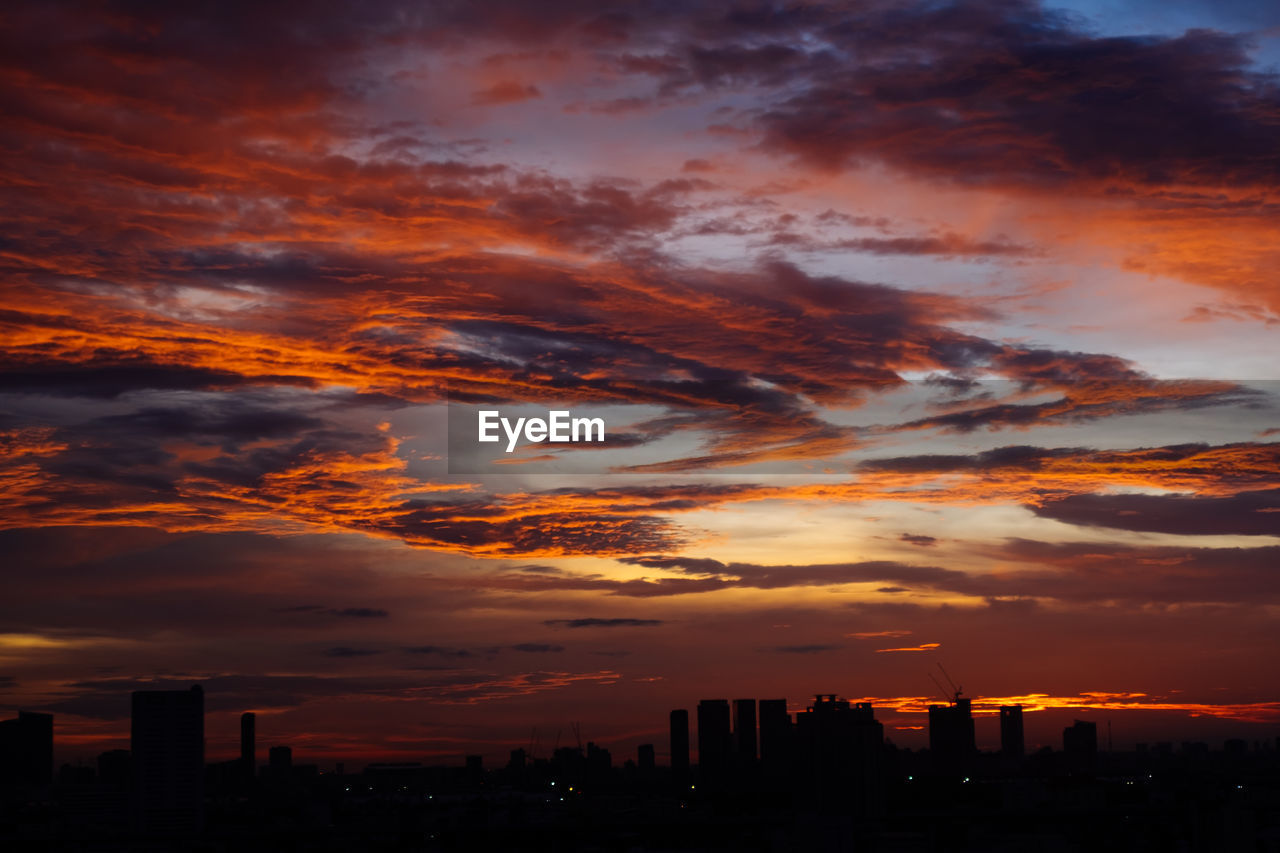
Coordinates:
715	743
248	759
951	739
776	748
744	731
26	750
167	741
840	747
1080	743
1012	743
680	744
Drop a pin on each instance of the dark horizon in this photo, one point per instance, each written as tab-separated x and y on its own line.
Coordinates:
907	334
1042	729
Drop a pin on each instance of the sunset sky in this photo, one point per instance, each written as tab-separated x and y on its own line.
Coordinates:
924	333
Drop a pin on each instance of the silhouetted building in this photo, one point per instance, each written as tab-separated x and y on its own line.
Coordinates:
115	768
645	759
1080	744
248	756
680	744
167	745
518	761
599	761
280	760
474	769
1012	742
26	750
715	742
775	737
744	732
841	747
951	739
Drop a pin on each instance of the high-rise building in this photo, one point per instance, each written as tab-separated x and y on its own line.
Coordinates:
951	739
645	760
248	756
1012	743
115	768
680	744
280	760
776	748
715	741
840	749
1080	743
26	750
167	743
744	731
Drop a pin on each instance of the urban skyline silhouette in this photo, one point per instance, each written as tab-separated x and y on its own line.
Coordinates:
823	776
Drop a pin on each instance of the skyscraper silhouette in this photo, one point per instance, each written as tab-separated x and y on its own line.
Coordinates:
645	760
951	739
1012	743
26	750
775	737
1080	743
248	758
715	742
744	732
840	748
280	760
680	744
167	741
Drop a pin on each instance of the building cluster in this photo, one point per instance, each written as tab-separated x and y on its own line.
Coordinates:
777	771
157	787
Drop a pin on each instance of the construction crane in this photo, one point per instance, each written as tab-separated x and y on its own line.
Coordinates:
942	691
954	686
956	691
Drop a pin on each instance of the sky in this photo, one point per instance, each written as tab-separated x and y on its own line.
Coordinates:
925	333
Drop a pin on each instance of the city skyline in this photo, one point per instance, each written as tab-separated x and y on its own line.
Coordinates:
920	333
950	727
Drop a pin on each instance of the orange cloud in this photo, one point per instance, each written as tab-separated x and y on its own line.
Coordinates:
1099	701
926	647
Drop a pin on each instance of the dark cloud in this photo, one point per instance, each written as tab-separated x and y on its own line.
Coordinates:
504	92
484	527
108	698
1237	467
946	245
109	380
918	539
782	576
359	612
594	622
230	419
1246	513
1014	93
349	652
1094	572
1077	573
445	651
535	648
803	650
